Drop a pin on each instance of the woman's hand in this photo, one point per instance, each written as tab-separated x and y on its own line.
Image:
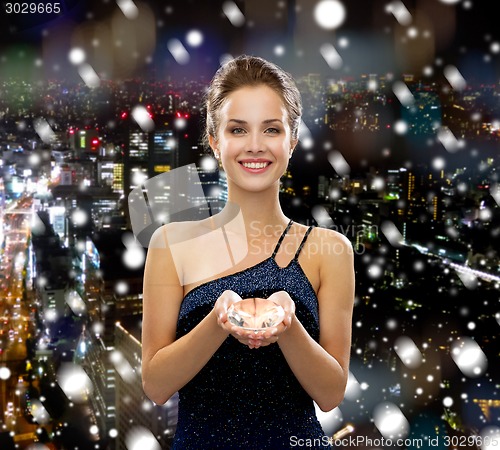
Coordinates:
221	306
251	338
271	336
283	299
246	337
226	299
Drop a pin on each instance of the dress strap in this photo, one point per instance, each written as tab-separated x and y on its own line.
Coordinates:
280	240
304	239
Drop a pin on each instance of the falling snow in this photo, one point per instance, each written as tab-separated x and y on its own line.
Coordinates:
401	127
233	13
134	255
448	139
77	56
338	162
178	51
123	367
331	56
408	352
469	357
74	382
4	373
455	78
403	93
128	8
329	14
390	421
194	38
392	233
140	438
44	130
400	12
89	75
143	118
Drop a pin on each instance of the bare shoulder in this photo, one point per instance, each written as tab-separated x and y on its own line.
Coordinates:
331	246
175	232
197	250
164	263
159	238
330	235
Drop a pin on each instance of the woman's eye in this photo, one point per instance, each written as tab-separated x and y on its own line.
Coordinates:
237	131
272	130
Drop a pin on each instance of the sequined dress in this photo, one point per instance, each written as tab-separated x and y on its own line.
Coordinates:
249	398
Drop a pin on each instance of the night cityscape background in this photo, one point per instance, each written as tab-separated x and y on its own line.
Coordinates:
399	151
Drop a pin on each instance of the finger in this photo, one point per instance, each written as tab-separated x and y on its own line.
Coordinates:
224	323
222	318
256	336
257	344
260	344
253	344
240	339
270	333
232	328
287	321
280	328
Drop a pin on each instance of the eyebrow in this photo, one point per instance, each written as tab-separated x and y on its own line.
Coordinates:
244	122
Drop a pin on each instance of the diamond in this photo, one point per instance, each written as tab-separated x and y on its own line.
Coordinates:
255	314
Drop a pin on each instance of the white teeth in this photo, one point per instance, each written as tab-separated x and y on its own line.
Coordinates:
254	165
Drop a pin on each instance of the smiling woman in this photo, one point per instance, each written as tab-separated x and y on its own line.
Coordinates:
253	138
249	382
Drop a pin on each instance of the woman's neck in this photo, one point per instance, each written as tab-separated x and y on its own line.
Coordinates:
259	209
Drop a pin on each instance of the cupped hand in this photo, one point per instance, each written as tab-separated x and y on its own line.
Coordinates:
271	336
262	338
226	299
283	299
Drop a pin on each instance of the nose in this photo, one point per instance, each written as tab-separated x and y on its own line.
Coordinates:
255	143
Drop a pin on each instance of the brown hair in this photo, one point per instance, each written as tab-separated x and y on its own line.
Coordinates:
251	71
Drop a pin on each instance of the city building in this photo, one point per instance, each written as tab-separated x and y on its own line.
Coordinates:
133	409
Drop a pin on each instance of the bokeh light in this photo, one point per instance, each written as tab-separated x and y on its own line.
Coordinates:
329	14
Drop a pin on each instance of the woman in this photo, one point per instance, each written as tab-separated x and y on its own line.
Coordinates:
240	389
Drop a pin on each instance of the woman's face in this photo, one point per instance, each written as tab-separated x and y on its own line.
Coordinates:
253	140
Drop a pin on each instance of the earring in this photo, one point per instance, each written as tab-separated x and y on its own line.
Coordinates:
217	157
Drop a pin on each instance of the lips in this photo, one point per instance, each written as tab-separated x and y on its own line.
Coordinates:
255	166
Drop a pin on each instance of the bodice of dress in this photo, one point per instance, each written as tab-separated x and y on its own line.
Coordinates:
248	398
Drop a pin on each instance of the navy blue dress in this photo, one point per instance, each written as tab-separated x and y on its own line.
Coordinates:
249	398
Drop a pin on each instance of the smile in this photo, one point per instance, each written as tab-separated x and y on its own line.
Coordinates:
255	165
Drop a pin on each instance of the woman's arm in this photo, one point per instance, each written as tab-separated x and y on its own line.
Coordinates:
322	369
168	364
